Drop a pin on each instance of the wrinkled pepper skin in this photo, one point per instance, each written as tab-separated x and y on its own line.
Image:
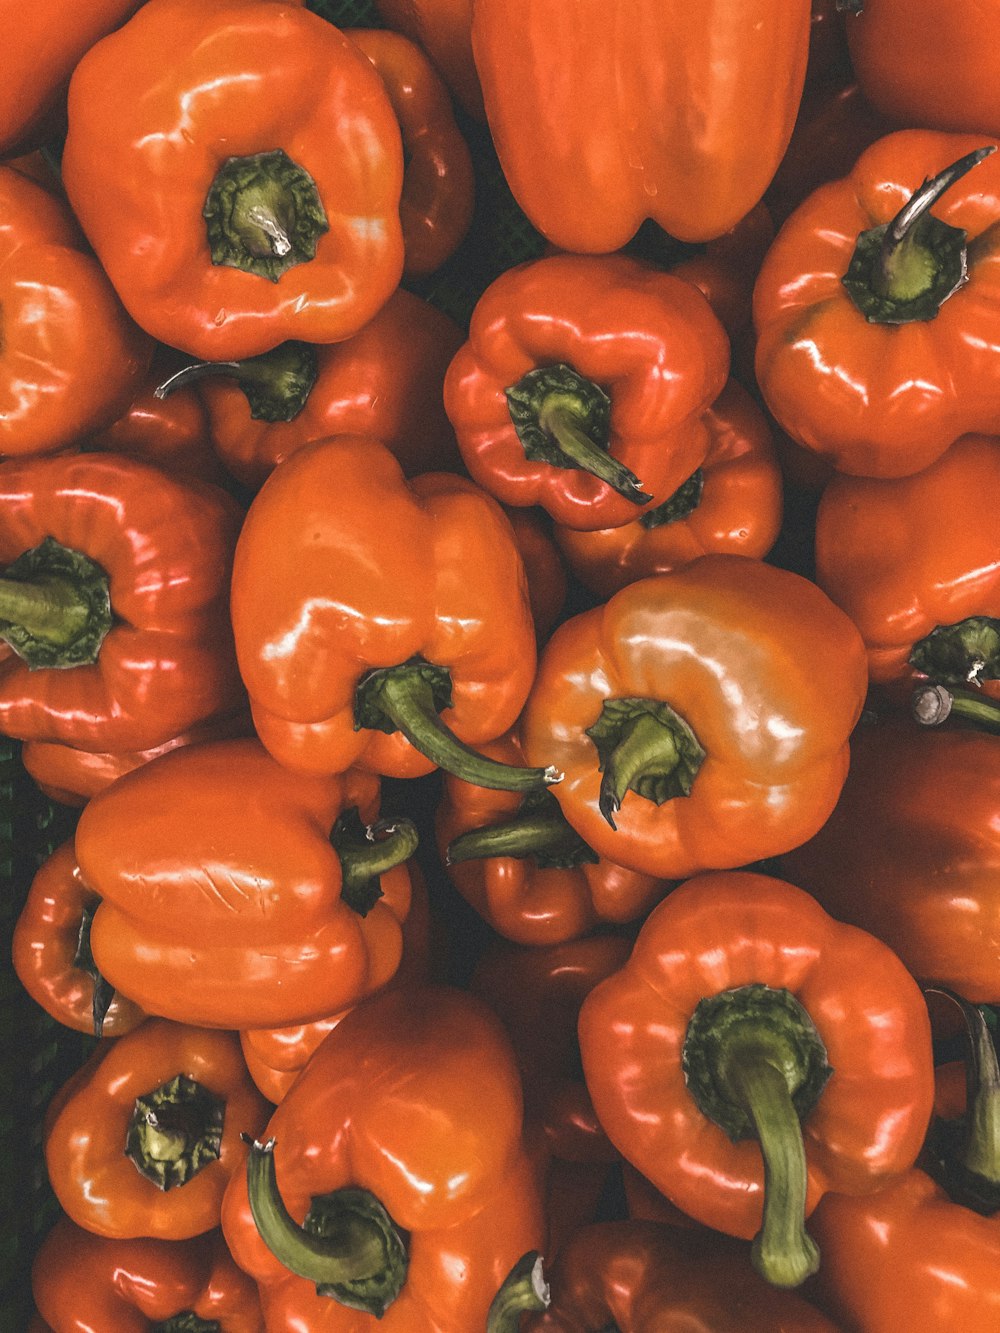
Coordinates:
166	545
909	557
645	338
720	932
435	208
343	565
45	949
911	852
88	1123
764	670
737	507
908	1257
615	89
643	1277
929	64
228	912
416	1097
881	399
444	29
83	1283
147	140
71	358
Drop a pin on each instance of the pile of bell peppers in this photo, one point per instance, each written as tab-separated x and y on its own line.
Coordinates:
501	595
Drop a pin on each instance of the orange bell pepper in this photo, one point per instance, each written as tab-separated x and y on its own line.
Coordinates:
146	1135
71	358
731	503
701	717
444	29
357	623
544	567
248	193
83	1282
403	1135
754	1054
237	908
592	111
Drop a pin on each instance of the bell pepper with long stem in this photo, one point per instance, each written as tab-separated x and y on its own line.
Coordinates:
701	717
752	1055
82	1282
246	191
393	1181
582	385
113	604
70	357
874	314
255	897
364	607
144	1140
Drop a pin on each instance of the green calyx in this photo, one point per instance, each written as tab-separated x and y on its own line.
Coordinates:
55	607
538	830
756	1066
366	852
523	1291
175	1131
348	1245
187	1322
684	501
84	960
565	420
410	698
263	215
644	746
277	384
965	653
903	271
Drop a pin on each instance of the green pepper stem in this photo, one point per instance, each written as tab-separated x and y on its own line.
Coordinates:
932	705
543	833
979	1154
646	746
524	1290
563	424
276	384
358	1260
198	370
388	844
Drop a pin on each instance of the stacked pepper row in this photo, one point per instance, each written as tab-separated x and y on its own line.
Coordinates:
290	553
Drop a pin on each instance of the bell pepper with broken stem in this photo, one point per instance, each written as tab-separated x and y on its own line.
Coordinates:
244	192
752	1055
146	1135
255	897
364	607
82	1282
113	602
392	1182
875	315
582	385
701	717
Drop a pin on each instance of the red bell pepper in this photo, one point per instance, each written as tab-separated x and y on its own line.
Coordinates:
114	602
401	1144
544	567
246	191
444	29
582	385
754	1054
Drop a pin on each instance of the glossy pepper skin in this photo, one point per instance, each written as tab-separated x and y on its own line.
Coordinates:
50	951
910	852
162	547
634	356
231	911
342	565
883	399
615	89
545	888
385	380
718	936
642	1277
415	1097
748	663
97	1132
435	208
42	44
732	503
313	251
444	29
914	562
71	358
82	1282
